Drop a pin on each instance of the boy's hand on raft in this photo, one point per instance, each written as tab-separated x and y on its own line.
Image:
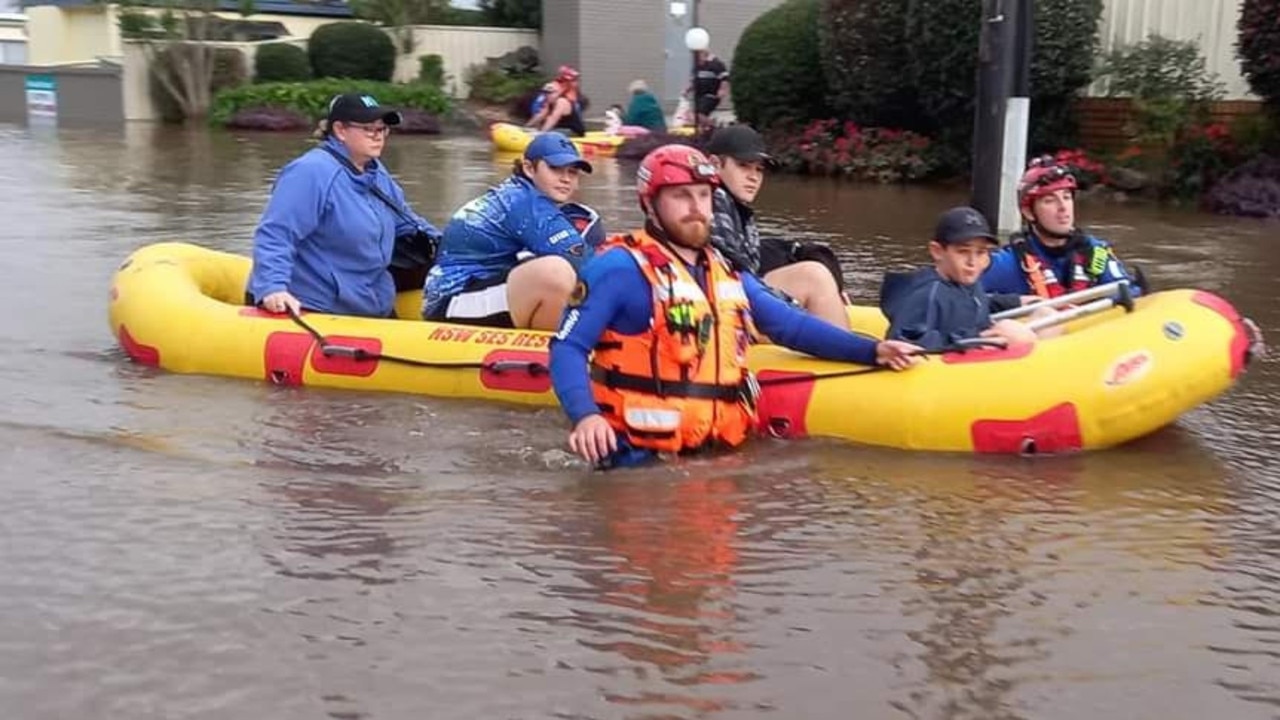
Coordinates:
593	439
897	355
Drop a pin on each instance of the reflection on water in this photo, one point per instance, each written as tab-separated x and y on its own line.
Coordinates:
184	546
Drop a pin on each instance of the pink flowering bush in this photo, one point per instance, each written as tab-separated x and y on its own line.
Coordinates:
844	149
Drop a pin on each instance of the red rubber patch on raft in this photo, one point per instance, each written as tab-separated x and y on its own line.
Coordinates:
979	355
1054	430
284	357
516	371
343	364
1240	340
260	313
782	408
139	353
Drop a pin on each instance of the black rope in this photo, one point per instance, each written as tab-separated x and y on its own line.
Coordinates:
536	369
960	347
329	349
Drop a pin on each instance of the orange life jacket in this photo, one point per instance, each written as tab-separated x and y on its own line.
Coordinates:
1044	282
684	383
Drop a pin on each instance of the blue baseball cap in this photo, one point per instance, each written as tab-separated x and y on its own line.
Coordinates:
555	150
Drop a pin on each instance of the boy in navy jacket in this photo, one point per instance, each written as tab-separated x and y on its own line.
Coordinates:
940	306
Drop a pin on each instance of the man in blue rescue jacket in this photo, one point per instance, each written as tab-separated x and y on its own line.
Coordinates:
1052	257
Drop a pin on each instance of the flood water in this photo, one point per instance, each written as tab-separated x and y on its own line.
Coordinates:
196	547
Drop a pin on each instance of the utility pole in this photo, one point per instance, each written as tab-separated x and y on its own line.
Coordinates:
995	128
1017	119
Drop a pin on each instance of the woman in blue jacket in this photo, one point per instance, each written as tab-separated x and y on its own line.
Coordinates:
326	238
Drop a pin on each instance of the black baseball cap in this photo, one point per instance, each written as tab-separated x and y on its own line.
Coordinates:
360	108
962	223
740	142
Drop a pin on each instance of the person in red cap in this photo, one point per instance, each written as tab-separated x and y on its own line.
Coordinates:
1051	256
666	321
563	107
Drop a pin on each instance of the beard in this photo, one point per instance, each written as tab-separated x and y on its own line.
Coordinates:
691	231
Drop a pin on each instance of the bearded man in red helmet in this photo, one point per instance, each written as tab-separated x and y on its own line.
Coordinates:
651	356
1051	256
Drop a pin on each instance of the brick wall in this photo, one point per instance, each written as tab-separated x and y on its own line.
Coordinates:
1103	120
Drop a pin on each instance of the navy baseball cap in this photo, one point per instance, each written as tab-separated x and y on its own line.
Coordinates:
962	223
360	108
555	150
740	142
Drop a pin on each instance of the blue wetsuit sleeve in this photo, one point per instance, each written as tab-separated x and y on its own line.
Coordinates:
794	328
1004	276
293	212
544	230
617	296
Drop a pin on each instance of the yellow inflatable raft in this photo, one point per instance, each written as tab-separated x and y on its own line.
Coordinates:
510	138
1112	377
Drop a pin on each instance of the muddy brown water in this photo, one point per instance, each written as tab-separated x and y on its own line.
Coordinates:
197	547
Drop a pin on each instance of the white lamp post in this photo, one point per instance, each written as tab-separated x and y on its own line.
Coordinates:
696	39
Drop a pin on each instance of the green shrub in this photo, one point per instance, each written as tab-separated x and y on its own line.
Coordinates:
1258	47
431	70
312	98
913	65
352	50
229	71
1066	42
864	53
1170	84
492	85
281	62
768	92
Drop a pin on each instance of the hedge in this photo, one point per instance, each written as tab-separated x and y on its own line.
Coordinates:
1259	49
352	50
312	98
281	62
913	65
769	91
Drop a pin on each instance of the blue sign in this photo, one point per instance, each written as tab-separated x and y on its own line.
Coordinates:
42	98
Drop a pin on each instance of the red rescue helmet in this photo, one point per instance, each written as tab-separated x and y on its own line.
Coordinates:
672	165
1044	177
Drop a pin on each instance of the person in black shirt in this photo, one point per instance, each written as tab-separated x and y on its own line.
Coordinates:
711	82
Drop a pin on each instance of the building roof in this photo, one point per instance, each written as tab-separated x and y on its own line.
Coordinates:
322	8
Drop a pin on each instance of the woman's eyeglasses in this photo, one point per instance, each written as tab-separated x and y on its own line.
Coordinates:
371	131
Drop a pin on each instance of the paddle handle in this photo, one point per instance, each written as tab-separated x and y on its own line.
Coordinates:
1108	290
